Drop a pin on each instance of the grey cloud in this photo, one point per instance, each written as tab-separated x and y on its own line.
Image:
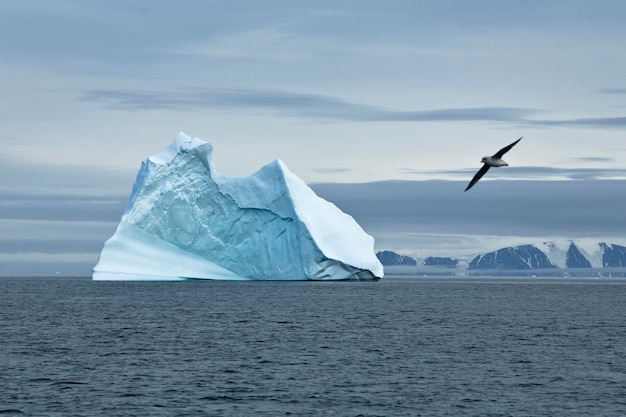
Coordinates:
14	246
593	122
22	174
330	170
317	106
516	208
44	247
291	104
539	172
495	114
60	207
613	91
571	173
595	159
197	99
62	193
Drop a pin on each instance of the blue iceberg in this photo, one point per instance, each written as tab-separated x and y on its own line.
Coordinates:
184	220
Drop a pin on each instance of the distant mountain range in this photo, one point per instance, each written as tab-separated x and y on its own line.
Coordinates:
553	258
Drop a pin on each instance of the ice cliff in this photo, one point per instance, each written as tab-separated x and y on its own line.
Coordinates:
184	220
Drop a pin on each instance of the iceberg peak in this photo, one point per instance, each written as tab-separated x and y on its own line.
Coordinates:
185	220
182	143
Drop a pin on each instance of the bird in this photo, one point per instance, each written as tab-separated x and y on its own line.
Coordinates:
491	161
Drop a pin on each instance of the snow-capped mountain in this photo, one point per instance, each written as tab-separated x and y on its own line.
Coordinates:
613	256
515	258
388	257
551	255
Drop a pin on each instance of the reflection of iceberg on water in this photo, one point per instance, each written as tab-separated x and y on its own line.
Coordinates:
186	221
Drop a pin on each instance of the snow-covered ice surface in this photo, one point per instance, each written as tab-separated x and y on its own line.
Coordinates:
184	220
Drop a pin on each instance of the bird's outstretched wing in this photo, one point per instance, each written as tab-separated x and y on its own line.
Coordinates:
479	175
504	150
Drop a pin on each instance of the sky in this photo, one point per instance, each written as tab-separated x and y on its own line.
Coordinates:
385	108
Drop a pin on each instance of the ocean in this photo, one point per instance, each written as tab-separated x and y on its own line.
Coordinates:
396	347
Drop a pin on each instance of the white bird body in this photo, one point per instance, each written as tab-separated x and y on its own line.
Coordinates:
494	162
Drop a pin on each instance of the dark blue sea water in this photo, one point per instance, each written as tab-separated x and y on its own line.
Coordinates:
397	347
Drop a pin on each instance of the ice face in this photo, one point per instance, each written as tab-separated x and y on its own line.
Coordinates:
185	220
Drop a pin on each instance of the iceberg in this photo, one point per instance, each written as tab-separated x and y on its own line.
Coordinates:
185	220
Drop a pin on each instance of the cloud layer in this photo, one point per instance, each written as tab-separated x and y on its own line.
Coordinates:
317	106
535	209
290	104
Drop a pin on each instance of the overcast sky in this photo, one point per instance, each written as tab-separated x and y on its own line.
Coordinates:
360	92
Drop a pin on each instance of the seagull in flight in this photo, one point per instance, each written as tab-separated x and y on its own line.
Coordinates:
491	161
